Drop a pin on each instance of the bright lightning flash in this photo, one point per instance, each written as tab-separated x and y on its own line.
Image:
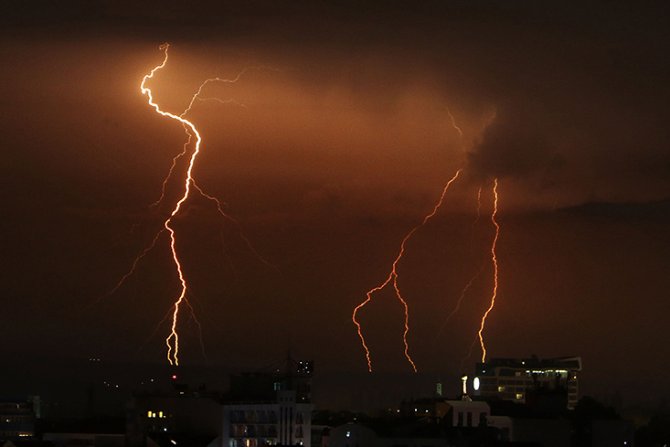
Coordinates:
392	278
494	261
172	341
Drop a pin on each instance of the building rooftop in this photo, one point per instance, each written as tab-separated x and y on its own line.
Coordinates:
568	363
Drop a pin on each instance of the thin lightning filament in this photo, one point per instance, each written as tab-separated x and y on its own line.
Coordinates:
392	278
494	261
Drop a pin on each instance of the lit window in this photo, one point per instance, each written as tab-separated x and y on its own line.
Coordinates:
149	413
519	396
501	388
160	414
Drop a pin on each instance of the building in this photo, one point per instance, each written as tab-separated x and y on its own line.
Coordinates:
17	418
282	422
170	416
167	411
432	422
529	380
270	408
451	413
359	435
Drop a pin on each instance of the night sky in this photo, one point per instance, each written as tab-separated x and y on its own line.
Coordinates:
343	143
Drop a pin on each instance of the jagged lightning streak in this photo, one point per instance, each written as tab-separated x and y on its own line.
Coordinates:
138	258
479	206
469	284
219	209
197	96
453	123
461	297
494	262
172	341
169	174
392	278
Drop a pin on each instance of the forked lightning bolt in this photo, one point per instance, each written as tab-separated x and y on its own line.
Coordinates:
392	278
172	341
494	262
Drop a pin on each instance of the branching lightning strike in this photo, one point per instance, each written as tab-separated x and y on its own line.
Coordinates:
189	184
392	278
172	341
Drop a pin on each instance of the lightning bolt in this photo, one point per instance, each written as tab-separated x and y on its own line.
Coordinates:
138	258
172	341
219	209
392	278
189	184
453	123
469	284
459	301
494	262
169	174
479	206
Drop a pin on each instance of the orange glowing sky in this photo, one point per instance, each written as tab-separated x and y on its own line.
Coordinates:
342	146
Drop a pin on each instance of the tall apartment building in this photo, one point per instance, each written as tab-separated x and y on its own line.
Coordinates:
280	416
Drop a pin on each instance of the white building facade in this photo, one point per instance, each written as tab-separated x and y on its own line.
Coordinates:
284	422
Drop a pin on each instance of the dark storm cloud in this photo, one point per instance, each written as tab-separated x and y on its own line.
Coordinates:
512	146
578	90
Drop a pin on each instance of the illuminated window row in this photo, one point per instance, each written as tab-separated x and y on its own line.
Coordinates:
154	415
